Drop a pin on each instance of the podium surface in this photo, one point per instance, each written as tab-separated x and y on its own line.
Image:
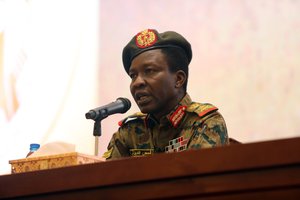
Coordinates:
262	170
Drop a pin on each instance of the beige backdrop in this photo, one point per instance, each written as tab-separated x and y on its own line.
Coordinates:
48	74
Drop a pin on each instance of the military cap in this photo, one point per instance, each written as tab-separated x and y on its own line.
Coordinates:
150	39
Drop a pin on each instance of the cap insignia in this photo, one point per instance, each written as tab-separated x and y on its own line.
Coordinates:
145	38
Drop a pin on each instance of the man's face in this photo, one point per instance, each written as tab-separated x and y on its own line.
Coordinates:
152	84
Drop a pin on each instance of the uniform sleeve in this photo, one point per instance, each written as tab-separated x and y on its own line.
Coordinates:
117	147
211	133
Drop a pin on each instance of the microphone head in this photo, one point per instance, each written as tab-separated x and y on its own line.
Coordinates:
90	115
126	102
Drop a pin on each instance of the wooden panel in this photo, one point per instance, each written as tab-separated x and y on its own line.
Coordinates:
270	169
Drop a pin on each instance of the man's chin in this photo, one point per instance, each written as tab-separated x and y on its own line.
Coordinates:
145	109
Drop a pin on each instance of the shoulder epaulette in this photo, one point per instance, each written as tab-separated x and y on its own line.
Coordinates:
201	109
135	116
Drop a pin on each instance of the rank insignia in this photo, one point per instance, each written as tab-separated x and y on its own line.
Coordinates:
145	38
177	145
177	116
206	108
141	152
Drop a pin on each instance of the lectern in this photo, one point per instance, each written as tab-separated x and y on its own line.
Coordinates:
262	170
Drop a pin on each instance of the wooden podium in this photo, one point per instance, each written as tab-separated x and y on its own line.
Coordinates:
263	170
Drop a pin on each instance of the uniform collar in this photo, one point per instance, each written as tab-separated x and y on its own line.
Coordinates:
186	100
174	117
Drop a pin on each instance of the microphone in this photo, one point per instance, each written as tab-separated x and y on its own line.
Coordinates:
121	105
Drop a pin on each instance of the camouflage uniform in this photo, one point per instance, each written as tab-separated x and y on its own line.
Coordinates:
189	126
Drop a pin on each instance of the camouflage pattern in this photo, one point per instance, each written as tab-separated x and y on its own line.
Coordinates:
198	125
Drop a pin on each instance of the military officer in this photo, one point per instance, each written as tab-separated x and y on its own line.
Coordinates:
169	121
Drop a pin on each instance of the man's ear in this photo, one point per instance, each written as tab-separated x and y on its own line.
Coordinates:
180	78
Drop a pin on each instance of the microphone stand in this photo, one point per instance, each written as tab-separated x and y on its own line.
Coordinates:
97	134
97	128
120	106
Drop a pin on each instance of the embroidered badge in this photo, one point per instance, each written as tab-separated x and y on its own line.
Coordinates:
145	38
177	145
177	116
141	152
108	153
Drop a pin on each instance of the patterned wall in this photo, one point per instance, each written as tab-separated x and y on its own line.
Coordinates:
246	58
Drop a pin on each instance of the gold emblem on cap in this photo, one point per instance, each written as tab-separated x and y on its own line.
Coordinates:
146	38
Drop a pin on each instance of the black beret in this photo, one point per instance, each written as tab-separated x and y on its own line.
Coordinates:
150	39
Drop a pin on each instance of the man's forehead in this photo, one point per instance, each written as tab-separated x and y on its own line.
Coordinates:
151	57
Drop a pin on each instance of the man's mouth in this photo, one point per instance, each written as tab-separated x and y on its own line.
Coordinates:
142	98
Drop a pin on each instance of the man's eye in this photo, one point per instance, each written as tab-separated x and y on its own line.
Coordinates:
149	71
132	75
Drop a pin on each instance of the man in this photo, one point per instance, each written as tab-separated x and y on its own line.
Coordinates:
157	64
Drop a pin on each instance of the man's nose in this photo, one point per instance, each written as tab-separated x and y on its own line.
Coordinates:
138	82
